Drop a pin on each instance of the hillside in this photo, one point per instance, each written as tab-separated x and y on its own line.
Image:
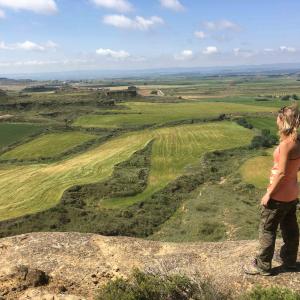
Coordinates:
77	264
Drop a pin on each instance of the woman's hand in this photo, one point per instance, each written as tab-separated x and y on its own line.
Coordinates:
265	199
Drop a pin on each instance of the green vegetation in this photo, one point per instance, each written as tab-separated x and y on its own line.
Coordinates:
13	132
265	122
143	113
155	286
271	293
212	212
47	146
167	167
176	147
258	176
43	185
80	211
150	286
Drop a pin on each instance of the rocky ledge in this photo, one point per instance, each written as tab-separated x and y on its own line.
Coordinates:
73	265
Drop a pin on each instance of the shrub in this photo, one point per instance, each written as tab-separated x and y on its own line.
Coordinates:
265	140
146	286
271	293
243	122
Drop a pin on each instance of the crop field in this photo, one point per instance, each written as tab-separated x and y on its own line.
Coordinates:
264	123
13	132
143	113
258	176
89	133
48	145
232	86
28	189
177	148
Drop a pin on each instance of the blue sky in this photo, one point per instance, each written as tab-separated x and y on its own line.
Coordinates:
65	35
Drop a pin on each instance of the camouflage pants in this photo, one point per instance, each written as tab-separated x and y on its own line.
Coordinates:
283	214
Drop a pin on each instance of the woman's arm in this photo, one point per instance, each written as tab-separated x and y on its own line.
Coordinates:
282	169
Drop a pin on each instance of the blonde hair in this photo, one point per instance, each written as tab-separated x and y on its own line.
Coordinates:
290	117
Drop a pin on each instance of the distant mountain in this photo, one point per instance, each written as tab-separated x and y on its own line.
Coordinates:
13	80
267	69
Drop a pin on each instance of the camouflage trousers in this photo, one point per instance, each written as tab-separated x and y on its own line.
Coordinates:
278	213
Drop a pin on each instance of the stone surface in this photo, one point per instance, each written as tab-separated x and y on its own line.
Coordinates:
76	265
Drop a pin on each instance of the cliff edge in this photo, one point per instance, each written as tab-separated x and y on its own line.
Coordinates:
74	265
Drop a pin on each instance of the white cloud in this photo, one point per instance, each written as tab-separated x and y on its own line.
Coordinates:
221	25
3	46
210	50
2	14
287	49
118	5
200	35
184	55
172	4
268	50
243	52
29	46
37	6
113	54
138	22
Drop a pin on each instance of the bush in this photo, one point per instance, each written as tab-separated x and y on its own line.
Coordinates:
265	140
285	98
243	122
272	293
146	286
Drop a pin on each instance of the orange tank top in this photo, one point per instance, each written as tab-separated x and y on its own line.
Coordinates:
288	189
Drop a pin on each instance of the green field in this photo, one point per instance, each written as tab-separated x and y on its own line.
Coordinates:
259	176
264	123
177	148
49	145
13	132
28	189
145	113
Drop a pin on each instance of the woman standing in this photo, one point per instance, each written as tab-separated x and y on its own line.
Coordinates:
279	204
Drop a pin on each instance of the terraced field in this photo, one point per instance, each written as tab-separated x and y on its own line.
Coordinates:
48	145
145	113
28	189
13	132
177	148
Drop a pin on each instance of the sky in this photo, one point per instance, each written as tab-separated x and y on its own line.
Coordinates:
70	35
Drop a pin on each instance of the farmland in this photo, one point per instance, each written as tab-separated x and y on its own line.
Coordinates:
13	132
177	166
47	146
143	113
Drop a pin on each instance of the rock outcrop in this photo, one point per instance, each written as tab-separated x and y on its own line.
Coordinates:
73	265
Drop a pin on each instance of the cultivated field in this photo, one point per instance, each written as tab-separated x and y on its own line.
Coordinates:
177	148
48	145
167	193
14	132
143	113
28	189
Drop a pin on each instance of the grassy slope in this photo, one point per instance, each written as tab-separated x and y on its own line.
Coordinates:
28	189
13	132
264	123
48	145
177	148
157	113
